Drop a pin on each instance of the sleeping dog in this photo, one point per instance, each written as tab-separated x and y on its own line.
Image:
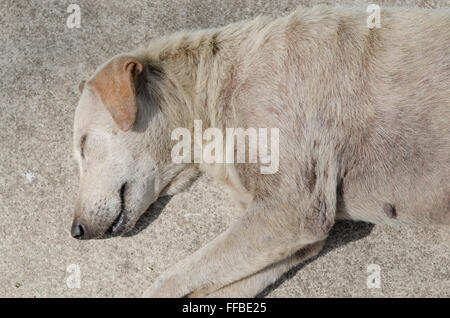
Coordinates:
363	116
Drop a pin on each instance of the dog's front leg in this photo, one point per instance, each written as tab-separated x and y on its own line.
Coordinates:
253	285
260	238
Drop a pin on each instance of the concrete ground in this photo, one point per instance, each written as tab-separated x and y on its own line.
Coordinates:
41	63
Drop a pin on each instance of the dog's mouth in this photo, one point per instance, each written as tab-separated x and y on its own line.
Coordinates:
118	225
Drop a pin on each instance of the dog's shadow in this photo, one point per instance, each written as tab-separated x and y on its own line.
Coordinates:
342	233
149	216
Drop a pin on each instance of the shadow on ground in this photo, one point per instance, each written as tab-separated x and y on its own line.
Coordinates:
342	233
149	216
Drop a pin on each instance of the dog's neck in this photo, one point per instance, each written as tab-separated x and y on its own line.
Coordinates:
200	67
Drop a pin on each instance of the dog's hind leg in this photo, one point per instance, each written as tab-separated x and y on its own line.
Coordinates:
252	285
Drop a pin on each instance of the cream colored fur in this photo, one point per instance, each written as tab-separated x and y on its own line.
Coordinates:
364	119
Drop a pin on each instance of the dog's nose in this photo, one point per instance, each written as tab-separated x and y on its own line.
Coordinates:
78	230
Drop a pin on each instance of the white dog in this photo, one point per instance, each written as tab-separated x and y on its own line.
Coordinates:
363	117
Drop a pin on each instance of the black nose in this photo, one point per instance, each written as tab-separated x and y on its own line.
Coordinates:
78	230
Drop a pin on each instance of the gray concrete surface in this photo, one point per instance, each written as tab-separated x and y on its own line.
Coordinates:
41	63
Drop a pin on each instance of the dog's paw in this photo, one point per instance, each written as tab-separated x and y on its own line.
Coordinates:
166	286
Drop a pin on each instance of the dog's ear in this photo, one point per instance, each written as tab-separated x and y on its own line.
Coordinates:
81	86
83	82
116	85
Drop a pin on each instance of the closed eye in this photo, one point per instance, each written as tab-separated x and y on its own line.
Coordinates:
82	143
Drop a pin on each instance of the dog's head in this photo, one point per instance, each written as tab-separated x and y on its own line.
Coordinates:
122	147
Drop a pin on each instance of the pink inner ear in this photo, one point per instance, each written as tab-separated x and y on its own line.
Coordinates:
125	126
133	68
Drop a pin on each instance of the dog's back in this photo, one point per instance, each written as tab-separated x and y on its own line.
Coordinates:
380	97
